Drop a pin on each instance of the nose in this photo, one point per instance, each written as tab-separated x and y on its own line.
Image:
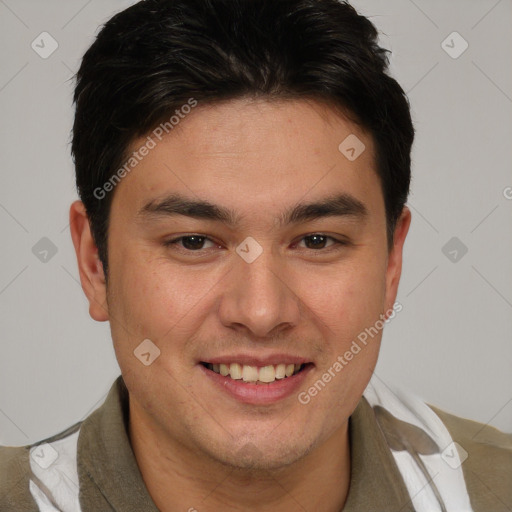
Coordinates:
258	298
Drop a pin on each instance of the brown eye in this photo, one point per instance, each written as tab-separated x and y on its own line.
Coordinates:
193	242
315	241
190	242
319	241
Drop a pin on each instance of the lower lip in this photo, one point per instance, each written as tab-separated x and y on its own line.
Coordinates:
258	394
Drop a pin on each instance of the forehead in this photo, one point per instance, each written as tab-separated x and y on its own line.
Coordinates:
255	155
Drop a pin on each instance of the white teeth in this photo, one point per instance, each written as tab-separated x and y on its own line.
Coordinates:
235	371
249	373
267	374
260	375
280	371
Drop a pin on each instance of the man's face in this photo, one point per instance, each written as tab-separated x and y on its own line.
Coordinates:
304	299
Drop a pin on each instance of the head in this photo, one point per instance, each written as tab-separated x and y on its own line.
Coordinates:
243	168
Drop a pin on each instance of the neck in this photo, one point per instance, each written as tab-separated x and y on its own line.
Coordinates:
318	481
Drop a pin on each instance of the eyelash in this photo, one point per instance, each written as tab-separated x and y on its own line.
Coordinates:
336	245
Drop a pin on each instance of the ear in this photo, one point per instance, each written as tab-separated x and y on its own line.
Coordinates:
89	265
394	268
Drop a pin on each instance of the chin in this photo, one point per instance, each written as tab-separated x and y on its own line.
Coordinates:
259	455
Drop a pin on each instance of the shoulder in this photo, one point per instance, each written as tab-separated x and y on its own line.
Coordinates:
14	479
486	453
18	471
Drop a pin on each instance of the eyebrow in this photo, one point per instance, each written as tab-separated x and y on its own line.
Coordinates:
340	205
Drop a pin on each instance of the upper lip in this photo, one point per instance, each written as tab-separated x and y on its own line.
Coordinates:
257	360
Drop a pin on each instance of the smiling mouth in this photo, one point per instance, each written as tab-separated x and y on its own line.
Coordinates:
256	374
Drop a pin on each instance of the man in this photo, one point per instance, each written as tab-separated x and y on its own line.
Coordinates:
243	168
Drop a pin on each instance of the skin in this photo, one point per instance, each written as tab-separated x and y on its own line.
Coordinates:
257	158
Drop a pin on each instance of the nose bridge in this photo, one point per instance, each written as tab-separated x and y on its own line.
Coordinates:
258	297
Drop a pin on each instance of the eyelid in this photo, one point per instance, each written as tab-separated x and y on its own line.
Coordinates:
176	240
336	241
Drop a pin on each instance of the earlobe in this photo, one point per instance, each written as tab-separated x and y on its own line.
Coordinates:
90	267
394	268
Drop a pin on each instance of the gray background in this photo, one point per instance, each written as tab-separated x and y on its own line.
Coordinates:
451	342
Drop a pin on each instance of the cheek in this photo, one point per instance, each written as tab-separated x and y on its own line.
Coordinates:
347	298
158	299
148	303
